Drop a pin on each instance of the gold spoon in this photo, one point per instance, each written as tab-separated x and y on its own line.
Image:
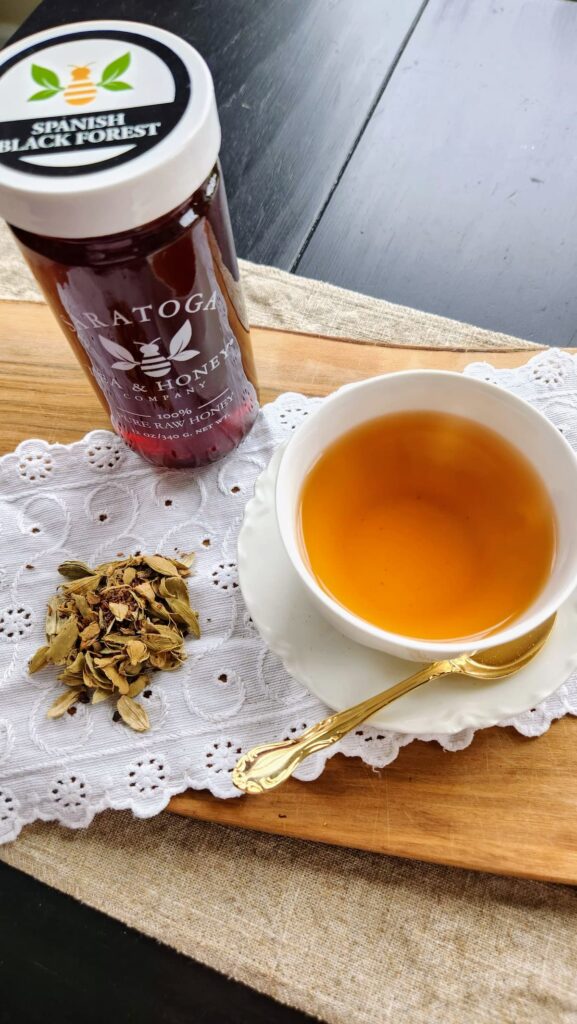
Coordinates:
266	766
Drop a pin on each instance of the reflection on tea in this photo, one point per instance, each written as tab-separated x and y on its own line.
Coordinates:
429	525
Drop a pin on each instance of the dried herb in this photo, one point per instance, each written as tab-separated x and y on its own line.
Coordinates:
108	628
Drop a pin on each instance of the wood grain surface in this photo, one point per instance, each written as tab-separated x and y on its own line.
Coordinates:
505	804
44	392
459	198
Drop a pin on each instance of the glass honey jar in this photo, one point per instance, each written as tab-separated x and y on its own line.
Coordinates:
111	183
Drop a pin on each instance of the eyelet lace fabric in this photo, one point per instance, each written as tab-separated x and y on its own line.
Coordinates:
96	500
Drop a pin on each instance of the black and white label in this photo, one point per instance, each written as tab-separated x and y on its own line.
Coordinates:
89	101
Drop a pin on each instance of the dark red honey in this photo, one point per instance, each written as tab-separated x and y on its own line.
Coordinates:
155	316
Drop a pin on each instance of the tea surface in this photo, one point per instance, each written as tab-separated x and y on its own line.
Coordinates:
429	525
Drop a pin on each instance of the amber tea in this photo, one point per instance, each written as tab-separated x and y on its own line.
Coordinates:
429	525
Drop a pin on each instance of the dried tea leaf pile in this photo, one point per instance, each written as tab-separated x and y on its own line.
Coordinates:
110	627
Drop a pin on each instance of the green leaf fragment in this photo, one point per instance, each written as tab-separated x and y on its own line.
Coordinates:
39	659
133	714
44	94
116	87
74	570
161	565
44	76
115	69
182	612
63	643
62	703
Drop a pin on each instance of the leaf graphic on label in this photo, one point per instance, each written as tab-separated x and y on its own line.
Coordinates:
44	76
117	350
115	69
181	339
44	94
116	86
123	366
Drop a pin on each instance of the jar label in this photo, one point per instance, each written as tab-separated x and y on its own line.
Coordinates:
172	371
89	101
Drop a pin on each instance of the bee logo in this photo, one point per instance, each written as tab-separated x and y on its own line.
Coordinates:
153	363
81	89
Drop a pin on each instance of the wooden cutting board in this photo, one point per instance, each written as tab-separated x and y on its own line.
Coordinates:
505	804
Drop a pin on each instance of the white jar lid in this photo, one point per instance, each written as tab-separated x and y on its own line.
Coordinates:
104	126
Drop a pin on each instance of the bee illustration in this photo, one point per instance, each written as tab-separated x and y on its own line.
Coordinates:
153	363
81	89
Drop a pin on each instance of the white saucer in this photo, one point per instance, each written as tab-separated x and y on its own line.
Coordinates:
341	672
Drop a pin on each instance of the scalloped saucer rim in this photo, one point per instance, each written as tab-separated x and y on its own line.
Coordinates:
341	672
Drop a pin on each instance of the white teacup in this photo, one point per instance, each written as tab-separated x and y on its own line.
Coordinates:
434	390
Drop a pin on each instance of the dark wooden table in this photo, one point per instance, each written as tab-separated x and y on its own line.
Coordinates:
422	151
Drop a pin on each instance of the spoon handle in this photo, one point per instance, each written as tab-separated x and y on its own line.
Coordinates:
266	766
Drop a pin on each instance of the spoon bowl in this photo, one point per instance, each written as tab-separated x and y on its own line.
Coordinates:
504	659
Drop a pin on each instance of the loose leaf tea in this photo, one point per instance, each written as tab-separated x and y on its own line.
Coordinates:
108	628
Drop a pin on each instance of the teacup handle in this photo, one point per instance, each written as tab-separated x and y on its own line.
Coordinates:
266	766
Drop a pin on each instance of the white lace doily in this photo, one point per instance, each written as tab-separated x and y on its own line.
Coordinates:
95	500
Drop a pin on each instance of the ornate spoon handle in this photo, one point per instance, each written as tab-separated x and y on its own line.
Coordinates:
269	764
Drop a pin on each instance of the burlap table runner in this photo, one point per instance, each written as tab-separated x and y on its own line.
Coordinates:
350	937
